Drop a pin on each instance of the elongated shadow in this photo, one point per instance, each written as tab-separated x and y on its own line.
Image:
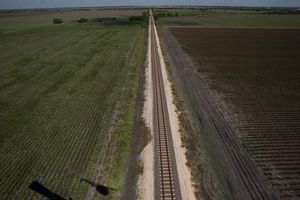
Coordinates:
39	188
104	190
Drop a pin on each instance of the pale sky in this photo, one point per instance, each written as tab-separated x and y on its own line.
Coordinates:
9	4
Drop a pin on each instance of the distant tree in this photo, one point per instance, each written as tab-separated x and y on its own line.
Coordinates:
134	18
169	14
57	21
82	20
141	19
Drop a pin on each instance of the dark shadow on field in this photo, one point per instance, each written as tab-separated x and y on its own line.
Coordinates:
104	190
39	188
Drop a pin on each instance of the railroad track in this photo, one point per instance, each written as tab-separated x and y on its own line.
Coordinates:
166	181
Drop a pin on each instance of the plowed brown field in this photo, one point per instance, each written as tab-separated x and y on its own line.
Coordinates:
252	77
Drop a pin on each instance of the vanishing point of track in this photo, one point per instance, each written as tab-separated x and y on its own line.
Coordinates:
166	181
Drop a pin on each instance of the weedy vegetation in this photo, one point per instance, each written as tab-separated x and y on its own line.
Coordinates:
82	20
57	21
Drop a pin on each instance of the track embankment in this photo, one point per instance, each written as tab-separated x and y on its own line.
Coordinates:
172	179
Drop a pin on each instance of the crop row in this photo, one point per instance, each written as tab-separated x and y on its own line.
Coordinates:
58	147
270	133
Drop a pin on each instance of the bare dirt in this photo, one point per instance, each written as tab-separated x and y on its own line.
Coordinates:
146	180
242	88
72	12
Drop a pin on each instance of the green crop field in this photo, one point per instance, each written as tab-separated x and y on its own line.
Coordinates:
67	92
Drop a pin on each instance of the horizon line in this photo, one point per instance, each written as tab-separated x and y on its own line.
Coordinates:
149	6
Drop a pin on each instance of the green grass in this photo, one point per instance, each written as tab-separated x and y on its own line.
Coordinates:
44	18
59	88
123	133
231	19
209	11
